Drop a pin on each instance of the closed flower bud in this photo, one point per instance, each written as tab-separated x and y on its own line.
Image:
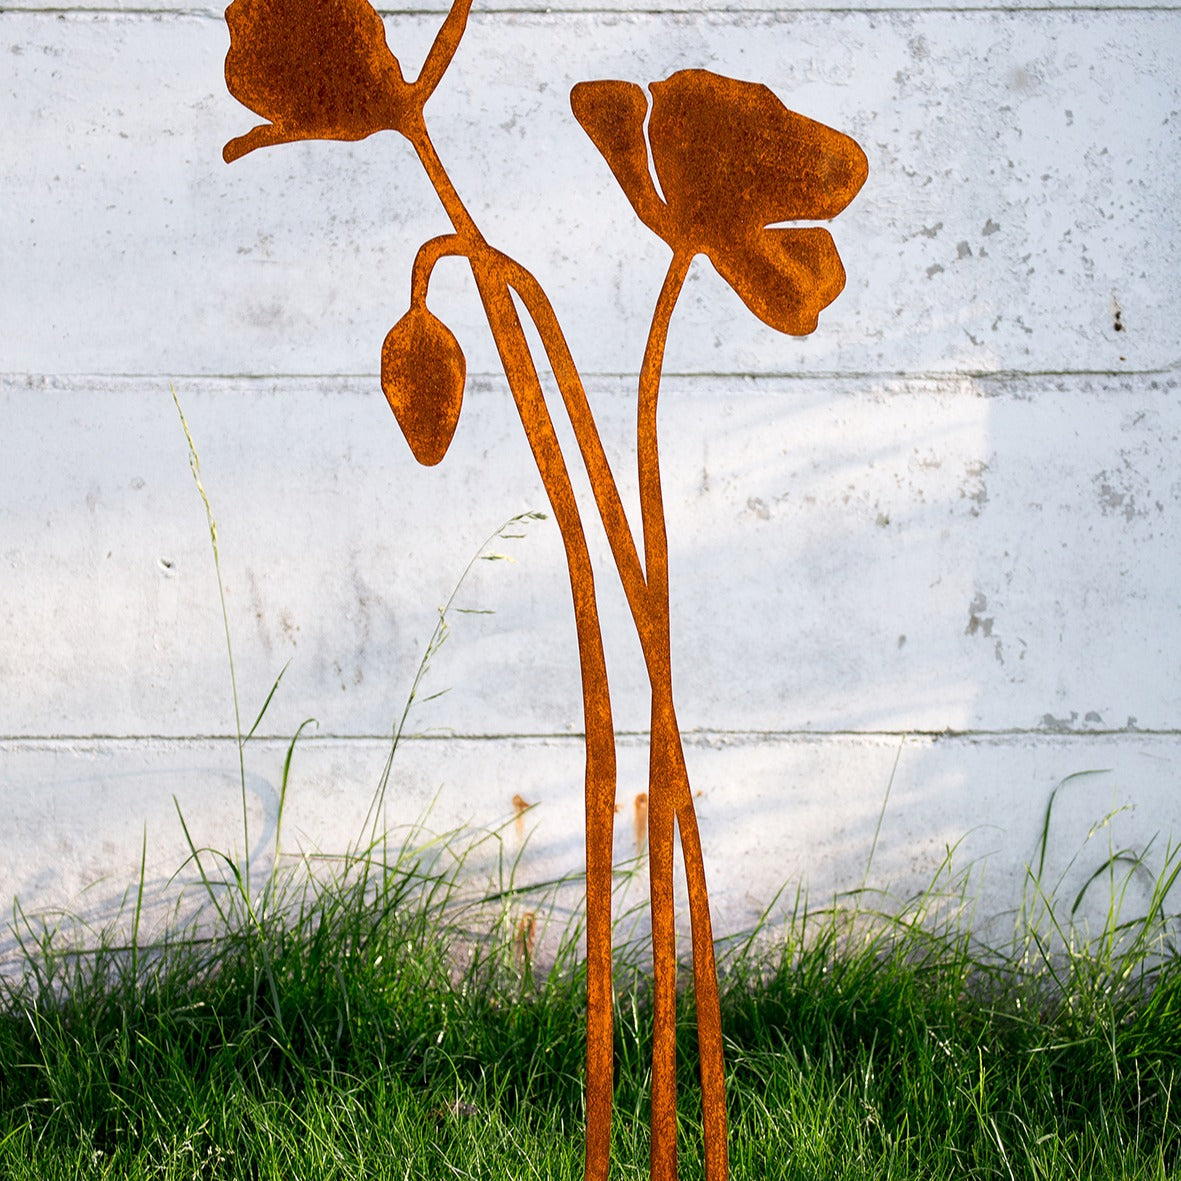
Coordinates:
422	374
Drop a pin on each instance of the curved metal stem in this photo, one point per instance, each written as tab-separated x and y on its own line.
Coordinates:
646	587
669	793
492	276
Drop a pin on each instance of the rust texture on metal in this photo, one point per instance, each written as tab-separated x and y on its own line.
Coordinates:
733	164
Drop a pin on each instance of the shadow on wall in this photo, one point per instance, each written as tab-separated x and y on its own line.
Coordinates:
814	526
781	815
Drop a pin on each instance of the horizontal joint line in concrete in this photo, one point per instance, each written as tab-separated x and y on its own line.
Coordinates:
933	375
690	736
510	10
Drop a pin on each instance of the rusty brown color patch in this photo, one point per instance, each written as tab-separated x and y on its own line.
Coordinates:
520	807
524	938
640	821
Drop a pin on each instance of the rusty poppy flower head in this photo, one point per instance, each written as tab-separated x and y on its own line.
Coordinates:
732	162
316	69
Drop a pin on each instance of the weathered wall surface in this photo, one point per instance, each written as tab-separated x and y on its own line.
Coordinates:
932	548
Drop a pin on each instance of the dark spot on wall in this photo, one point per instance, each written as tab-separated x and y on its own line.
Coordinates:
256	606
1113	500
1117	316
978	622
974	488
1059	725
289	626
267	316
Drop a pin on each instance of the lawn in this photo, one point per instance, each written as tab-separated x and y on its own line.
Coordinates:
377	1022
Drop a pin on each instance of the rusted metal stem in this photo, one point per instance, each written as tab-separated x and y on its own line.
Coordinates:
492	274
646	587
668	789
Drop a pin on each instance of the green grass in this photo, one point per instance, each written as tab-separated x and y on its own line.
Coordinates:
378	1022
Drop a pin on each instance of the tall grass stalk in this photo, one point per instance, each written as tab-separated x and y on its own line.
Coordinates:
506	532
211	521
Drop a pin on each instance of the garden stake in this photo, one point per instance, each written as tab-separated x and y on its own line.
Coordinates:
733	163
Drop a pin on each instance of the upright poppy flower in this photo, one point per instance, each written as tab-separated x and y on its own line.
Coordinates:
732	162
317	69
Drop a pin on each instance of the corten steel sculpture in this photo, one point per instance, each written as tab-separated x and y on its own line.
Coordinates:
732	163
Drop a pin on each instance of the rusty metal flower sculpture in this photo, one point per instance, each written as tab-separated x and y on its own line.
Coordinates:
732	163
731	160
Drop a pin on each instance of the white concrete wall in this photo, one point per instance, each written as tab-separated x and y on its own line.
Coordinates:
944	530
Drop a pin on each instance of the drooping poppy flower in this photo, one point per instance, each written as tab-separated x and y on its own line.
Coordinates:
732	162
317	69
